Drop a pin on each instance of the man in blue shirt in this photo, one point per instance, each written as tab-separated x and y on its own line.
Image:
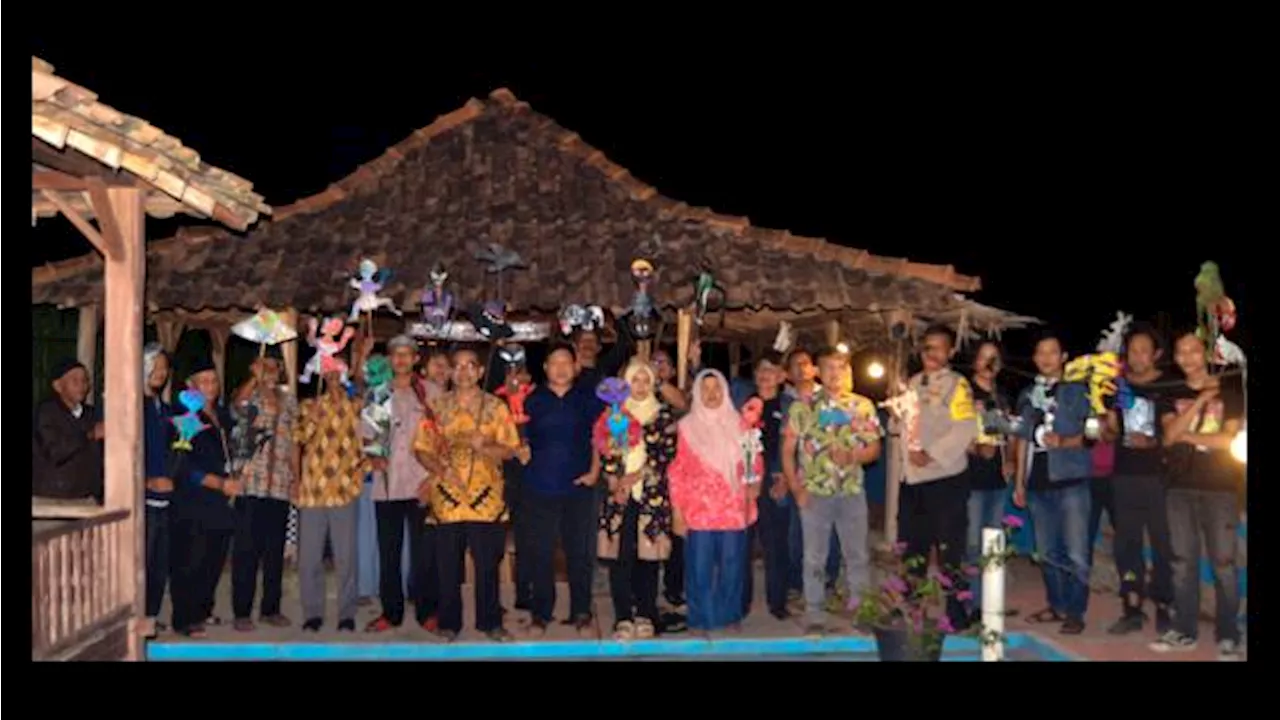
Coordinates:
558	497
161	466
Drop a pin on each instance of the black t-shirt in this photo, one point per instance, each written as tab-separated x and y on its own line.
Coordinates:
1190	467
1142	418
987	474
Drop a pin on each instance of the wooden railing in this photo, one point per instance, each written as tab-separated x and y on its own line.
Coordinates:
78	589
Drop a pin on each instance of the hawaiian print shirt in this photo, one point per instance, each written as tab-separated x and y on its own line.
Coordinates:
333	461
264	445
825	422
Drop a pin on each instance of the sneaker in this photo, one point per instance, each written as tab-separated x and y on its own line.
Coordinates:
277	620
380	624
780	613
348	625
312	625
1173	641
243	625
1130	622
1164	619
431	624
1229	651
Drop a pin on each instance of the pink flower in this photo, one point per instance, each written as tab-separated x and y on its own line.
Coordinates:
899	548
944	624
964	595
1013	521
942	579
972	570
893	583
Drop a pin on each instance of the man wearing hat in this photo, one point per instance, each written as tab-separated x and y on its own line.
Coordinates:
67	453
265	413
202	517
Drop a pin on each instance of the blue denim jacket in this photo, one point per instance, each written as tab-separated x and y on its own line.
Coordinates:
1072	409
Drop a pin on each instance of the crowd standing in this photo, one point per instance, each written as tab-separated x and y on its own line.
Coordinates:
675	511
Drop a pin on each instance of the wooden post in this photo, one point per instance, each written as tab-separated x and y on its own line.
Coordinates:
684	333
833	333
169	331
735	358
290	350
218	335
895	456
124	280
87	339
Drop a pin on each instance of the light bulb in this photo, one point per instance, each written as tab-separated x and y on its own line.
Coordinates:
842	348
875	371
1238	446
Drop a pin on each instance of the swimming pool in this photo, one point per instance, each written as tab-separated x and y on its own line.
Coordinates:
1020	647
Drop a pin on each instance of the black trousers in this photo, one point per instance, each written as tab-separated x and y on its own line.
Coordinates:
158	542
574	519
424	580
261	524
633	582
937	514
199	554
1101	497
511	472
773	529
673	572
487	542
1141	508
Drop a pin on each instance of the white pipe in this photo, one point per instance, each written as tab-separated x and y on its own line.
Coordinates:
993	595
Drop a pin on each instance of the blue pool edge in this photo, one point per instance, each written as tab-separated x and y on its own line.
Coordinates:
574	650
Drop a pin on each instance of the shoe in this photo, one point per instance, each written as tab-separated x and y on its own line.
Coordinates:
537	628
243	625
313	625
381	624
1229	651
431	624
1173	641
1131	622
780	613
523	605
675	601
1164	619
1072	626
277	620
584	624
672	624
644	629
446	635
348	625
624	630
499	635
814	631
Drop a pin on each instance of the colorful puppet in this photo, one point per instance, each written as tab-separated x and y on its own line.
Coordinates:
369	282
498	260
578	317
1099	371
785	339
189	423
752	444
328	339
704	286
517	384
641	314
376	413
1113	337
490	320
1215	312
437	303
263	329
905	406
616	431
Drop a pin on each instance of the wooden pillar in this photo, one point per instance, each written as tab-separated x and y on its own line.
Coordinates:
833	333
218	335
290	350
87	339
895	455
124	280
735	358
169	331
684	335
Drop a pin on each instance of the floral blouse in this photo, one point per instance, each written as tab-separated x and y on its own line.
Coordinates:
651	494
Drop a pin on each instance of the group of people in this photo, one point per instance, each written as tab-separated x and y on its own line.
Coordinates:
675	494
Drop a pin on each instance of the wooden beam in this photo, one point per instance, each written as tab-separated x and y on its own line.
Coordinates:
56	180
684	334
87	338
110	231
218	336
290	349
125	279
735	359
76	164
84	226
833	333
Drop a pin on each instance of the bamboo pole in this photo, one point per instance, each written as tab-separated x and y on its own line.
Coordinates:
895	460
833	333
735	359
290	349
684	335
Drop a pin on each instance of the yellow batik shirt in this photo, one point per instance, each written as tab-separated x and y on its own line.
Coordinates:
333	459
450	434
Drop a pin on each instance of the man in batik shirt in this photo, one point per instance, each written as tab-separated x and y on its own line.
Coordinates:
463	449
834	433
331	477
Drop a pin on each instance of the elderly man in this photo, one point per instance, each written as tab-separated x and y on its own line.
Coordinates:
68	439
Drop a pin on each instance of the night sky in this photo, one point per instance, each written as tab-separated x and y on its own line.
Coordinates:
1072	192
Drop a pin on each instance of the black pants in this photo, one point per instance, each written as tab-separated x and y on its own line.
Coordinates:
261	524
424	580
487	542
199	554
1140	507
158	542
937	514
1101	497
773	529
511	472
574	519
633	582
673	572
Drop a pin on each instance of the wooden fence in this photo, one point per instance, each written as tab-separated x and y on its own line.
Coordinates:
79	594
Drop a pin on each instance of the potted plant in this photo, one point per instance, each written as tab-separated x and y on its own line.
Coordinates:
907	611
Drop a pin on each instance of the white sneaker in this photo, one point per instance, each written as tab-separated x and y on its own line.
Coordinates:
1173	641
1229	651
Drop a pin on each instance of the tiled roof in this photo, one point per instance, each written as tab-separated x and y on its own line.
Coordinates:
69	117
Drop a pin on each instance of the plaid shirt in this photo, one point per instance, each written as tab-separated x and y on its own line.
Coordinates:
333	461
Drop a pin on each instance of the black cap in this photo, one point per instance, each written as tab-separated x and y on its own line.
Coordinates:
202	364
274	352
64	366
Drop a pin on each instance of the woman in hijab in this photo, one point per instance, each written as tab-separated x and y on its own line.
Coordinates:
635	527
714	500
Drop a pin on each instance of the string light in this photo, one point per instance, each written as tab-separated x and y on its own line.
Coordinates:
875	370
1239	445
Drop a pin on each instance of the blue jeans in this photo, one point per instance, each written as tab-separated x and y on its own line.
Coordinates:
1061	518
366	544
795	550
713	565
986	510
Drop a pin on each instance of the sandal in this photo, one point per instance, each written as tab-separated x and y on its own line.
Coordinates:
1047	616
644	628
624	630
